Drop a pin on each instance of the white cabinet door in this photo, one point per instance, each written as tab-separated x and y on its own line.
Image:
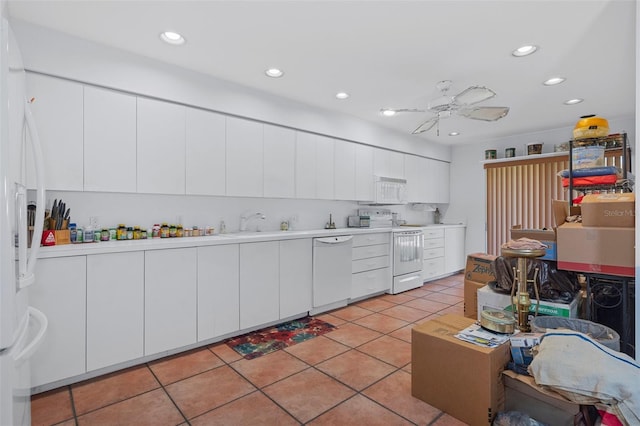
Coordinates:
296	275
170	295
218	291
324	168
259	283
279	162
364	173
416	173
57	110
205	154
454	252
345	170
60	293
161	147
244	158
306	161
115	308
109	141
388	163
441	181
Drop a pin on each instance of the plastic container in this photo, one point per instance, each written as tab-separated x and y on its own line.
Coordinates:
590	126
600	333
587	156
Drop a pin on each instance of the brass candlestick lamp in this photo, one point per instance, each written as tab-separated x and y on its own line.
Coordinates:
521	302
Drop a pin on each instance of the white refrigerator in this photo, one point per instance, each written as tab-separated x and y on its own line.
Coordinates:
21	327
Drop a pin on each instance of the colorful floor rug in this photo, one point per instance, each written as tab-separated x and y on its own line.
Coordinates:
267	340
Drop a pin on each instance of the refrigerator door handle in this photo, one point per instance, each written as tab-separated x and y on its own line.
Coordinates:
32	346
27	278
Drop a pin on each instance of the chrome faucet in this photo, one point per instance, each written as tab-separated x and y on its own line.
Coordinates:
244	219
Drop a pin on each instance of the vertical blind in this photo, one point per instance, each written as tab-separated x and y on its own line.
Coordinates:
521	192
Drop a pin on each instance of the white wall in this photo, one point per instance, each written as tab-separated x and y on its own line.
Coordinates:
468	192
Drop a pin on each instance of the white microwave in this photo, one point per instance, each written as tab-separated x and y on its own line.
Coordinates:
390	190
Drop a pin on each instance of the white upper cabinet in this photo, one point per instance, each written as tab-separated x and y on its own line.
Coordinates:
109	141
345	170
416	171
205	156
388	163
279	162
161	147
364	173
244	158
325	148
441	181
305	165
57	110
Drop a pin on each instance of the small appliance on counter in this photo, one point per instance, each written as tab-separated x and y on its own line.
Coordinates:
358	221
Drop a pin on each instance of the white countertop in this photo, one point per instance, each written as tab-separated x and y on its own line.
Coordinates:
104	247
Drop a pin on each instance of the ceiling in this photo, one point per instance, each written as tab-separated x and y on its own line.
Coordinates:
386	54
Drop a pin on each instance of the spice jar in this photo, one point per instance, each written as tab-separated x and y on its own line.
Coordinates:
104	235
136	232
172	231
164	230
155	231
179	231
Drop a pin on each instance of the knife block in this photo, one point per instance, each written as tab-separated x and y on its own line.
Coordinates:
63	237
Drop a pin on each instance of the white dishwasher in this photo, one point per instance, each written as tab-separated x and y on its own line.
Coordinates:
331	272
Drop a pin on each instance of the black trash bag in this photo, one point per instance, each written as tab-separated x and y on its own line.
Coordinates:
553	285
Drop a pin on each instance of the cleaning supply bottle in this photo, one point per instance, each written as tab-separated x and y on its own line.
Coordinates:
436	216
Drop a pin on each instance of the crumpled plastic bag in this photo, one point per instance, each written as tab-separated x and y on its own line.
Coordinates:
553	285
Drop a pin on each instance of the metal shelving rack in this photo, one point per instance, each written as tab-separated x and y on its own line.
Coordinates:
606	140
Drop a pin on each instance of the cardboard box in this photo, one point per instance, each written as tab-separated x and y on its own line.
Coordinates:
471	298
489	299
524	395
615	210
521	346
462	379
545	236
478	268
603	250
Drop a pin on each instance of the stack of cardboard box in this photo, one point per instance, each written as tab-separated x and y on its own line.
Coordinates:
604	242
477	274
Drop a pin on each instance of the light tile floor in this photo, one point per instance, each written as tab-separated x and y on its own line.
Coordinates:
359	374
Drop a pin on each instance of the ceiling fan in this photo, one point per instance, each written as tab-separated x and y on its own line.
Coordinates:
461	104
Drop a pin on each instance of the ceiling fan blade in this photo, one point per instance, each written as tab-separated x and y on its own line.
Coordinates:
396	110
427	125
484	113
473	95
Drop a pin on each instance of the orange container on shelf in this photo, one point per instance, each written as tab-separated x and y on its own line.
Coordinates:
590	126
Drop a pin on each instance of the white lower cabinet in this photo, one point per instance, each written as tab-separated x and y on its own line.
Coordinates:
170	296
259	283
454	253
218	291
370	264
296	275
115	308
60	293
444	251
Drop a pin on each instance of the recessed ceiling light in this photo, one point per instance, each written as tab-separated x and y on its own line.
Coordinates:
274	72
553	81
454	133
573	101
172	37
525	50
342	95
388	112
